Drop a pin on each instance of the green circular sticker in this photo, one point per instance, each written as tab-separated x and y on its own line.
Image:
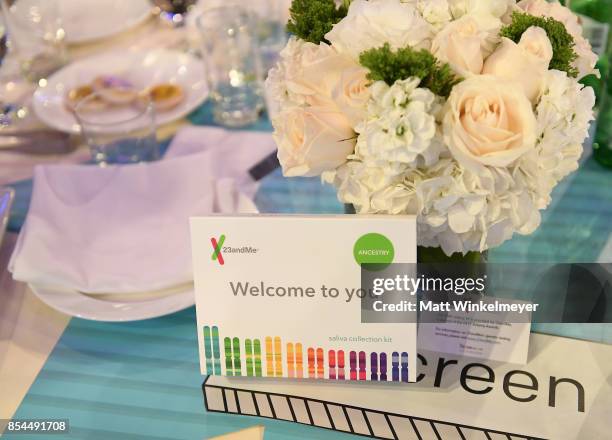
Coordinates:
374	249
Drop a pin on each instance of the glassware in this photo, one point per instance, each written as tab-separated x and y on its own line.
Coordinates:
233	65
12	108
37	35
5	107
270	21
118	134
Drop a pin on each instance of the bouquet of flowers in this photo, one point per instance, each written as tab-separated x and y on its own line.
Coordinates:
465	113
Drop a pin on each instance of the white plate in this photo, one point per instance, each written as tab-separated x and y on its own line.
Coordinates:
116	308
89	20
141	68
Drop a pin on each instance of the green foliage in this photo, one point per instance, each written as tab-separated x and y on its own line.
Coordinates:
561	40
312	19
388	66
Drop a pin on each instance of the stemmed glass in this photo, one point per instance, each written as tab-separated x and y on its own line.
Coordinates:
31	48
9	71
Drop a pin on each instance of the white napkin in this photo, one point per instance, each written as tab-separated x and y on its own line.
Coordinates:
125	229
235	152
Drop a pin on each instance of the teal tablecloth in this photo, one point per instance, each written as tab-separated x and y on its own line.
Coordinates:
141	380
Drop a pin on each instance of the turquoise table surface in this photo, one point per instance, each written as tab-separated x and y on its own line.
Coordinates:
141	380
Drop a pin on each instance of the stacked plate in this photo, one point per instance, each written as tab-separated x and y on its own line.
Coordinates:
113	244
88	20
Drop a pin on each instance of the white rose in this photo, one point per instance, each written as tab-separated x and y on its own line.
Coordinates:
312	140
488	121
351	94
585	63
461	44
313	71
371	24
543	8
435	12
495	8
526	62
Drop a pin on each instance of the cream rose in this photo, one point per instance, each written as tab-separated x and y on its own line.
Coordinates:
351	94
435	12
312	140
461	45
315	70
488	121
494	8
585	63
487	12
371	24
526	62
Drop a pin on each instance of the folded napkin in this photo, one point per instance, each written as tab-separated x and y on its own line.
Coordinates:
125	229
235	151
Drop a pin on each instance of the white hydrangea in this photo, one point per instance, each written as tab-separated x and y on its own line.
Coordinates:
358	182
456	209
563	116
277	80
460	214
400	126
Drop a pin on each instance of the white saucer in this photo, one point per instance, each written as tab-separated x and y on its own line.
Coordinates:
142	68
89	20
117	308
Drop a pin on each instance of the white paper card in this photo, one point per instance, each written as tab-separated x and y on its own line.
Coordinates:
278	296
482	335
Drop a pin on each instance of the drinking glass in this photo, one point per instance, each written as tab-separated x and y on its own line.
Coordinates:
37	35
12	108
270	19
118	134
233	64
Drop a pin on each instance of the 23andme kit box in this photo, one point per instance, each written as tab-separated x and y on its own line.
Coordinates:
280	296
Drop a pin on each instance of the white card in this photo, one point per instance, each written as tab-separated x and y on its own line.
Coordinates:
277	296
482	335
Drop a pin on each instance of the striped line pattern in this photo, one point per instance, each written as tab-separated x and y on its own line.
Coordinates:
342	417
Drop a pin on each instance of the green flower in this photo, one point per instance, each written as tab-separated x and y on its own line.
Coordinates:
312	19
389	66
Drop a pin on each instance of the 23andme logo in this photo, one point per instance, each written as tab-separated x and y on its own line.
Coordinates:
217	246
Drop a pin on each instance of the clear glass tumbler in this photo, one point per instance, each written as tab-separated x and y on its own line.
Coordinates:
37	35
271	18
233	64
118	134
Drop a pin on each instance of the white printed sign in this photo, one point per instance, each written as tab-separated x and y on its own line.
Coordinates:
280	296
